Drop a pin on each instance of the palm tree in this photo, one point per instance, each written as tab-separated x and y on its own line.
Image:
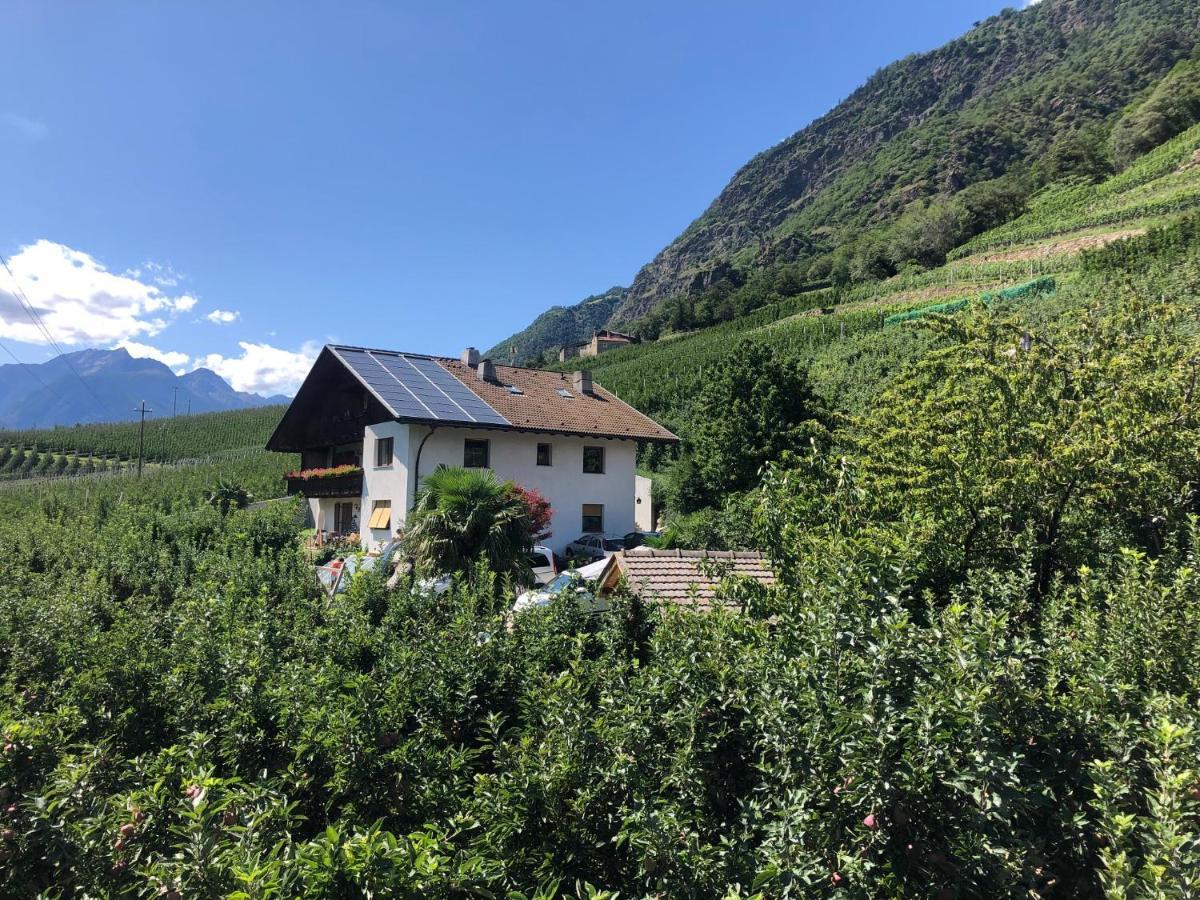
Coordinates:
226	496
462	516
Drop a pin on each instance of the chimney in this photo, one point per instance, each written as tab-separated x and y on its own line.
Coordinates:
470	357
583	382
485	370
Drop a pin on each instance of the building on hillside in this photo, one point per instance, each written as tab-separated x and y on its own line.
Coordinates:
679	576
601	342
369	424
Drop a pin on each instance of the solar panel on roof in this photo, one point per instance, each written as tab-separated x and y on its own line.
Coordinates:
417	387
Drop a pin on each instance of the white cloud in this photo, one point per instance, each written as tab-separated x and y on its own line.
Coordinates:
222	316
262	368
28	128
162	275
172	358
79	300
1029	3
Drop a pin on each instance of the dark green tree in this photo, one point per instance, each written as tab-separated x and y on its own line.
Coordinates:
1011	450
753	407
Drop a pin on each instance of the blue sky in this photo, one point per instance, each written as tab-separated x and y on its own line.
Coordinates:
233	184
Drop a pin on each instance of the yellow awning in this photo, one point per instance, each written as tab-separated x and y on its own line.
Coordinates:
381	514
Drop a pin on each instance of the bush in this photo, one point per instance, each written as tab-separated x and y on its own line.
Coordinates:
977	672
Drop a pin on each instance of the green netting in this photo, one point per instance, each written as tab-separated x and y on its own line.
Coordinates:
1037	287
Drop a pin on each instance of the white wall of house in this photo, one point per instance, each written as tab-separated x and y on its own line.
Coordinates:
643	515
513	455
384	483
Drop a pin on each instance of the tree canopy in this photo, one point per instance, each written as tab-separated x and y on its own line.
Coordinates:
754	406
464	517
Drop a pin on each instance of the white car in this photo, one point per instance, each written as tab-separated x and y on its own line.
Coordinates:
572	582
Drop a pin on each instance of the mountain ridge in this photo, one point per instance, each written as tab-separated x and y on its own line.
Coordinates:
560	326
968	111
109	387
1022	99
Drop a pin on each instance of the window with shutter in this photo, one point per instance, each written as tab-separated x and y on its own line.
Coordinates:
381	514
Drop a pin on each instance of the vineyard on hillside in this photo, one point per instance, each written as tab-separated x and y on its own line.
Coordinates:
1161	184
18	463
261	475
841	335
166	440
660	378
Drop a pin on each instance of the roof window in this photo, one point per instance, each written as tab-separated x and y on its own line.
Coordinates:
563	392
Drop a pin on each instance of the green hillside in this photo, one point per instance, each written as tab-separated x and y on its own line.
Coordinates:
111	448
1155	187
560	326
841	334
932	153
166	439
1027	96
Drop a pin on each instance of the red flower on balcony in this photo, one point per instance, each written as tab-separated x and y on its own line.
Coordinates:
327	472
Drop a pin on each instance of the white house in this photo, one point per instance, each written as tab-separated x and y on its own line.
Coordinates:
370	424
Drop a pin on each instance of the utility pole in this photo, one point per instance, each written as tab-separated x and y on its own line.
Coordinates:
174	398
141	435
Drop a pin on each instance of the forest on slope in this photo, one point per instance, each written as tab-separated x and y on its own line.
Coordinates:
934	149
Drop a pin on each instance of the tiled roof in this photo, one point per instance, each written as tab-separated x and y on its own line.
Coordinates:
676	576
540	406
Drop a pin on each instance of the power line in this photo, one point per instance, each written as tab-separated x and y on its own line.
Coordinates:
24	365
32	370
41	326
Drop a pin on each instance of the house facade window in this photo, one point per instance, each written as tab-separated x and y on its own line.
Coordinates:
381	514
593	460
475	454
384	448
593	518
545	455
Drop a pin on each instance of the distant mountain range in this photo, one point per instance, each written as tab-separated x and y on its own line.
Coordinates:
1026	97
110	385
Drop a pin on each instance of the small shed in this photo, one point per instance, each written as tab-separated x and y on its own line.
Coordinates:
682	576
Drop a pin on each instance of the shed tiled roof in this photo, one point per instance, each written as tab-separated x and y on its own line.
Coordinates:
540	407
676	576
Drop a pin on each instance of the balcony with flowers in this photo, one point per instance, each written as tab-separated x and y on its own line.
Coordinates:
330	481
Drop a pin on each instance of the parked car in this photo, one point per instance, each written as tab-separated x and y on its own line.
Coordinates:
594	546
571	582
544	564
638	538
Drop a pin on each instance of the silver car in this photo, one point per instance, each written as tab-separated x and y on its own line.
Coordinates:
594	546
